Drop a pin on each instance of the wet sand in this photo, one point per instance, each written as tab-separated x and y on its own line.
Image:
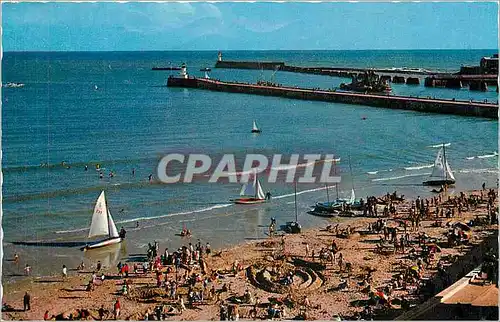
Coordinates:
64	296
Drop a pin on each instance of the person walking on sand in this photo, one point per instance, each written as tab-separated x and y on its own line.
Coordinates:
307	250
117	308
46	316
101	313
64	271
27	300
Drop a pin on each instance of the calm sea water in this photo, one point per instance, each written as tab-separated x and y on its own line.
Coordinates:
132	119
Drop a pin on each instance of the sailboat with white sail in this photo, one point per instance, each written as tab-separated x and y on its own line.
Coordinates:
255	128
441	173
102	225
251	192
331	208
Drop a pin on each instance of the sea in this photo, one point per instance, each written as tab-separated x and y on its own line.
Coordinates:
111	109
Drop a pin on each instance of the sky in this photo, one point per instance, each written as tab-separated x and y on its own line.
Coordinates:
248	26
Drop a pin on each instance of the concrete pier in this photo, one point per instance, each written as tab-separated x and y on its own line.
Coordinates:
442	106
397	75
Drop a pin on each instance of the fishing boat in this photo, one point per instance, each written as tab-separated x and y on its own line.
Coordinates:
102	225
441	173
255	129
251	193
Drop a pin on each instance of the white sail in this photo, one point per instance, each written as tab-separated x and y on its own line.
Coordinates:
254	127
253	189
353	197
448	171
248	188
441	168
112	227
99	225
260	193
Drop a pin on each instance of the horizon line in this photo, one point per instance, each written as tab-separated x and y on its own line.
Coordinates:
230	50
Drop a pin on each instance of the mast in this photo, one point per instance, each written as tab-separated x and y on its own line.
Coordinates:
255	185
296	216
350	169
444	165
327	195
335	172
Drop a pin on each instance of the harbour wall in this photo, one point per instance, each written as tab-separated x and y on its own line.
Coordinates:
440	106
433	79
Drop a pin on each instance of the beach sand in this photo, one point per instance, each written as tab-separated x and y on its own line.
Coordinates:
64	296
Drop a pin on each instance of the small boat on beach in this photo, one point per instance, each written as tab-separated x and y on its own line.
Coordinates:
441	173
251	193
102	225
255	129
324	214
293	227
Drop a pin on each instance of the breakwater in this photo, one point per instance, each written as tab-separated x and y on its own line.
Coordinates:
395	75
331	71
442	106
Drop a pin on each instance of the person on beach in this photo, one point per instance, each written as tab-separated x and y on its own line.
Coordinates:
207	249
101	175
122	233
27	270
307	250
101	312
117	308
99	266
26	301
133	172
86	167
46	316
64	271
150	178
16	259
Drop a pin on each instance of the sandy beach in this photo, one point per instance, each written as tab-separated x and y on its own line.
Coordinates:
368	268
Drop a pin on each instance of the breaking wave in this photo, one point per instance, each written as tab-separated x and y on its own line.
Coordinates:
419	167
401	177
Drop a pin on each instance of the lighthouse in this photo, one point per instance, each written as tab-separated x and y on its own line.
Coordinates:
184	73
219	56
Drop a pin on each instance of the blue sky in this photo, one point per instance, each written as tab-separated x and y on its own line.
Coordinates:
252	26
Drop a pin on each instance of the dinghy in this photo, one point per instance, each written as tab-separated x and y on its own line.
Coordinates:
251	193
102	225
293	227
441	173
255	129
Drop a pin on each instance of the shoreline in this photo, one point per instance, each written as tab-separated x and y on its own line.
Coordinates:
248	253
